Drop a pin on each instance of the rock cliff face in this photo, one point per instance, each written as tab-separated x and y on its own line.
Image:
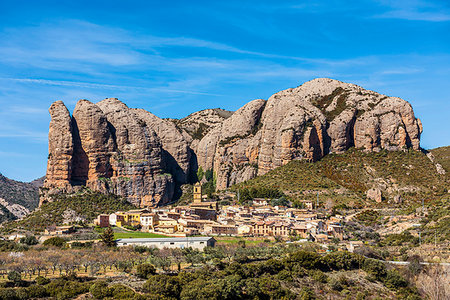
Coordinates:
133	153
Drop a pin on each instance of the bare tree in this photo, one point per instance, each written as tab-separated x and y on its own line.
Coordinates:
434	282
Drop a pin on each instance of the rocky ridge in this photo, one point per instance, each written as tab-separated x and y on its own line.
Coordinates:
131	152
17	198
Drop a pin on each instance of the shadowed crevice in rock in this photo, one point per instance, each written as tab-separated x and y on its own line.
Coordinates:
80	160
350	134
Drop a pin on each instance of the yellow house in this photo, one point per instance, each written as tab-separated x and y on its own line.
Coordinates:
167	225
131	217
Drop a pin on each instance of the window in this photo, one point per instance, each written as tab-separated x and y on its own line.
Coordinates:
172	243
202	242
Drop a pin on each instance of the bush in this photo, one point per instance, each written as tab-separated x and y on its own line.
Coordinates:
42	280
374	268
14	276
163	285
9	294
99	290
62	288
319	276
29	240
32	292
394	280
145	270
119	291
55	241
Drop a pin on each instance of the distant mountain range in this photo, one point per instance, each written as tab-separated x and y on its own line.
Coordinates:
18	199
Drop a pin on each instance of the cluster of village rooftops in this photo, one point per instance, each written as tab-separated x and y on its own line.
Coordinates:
204	218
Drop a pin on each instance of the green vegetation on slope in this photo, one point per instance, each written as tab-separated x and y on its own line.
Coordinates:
442	156
23	193
83	206
346	177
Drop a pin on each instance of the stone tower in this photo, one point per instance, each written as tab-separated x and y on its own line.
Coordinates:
197	192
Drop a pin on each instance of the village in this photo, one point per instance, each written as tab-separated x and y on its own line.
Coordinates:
204	218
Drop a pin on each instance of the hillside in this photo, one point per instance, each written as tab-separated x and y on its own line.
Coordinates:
402	177
442	155
76	208
17	198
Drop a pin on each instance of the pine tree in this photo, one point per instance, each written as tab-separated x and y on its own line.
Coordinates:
108	237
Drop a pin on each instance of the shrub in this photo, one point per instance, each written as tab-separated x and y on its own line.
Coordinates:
14	276
55	241
99	290
62	288
119	291
374	268
8	294
145	270
163	285
32	292
394	280
319	276
29	240
42	280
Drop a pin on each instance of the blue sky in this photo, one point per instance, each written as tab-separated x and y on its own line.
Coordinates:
176	57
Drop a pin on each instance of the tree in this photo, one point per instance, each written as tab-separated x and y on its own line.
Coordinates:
200	174
107	237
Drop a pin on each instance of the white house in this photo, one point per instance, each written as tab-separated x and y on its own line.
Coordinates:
182	242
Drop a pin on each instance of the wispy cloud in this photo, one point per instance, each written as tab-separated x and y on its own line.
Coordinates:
415	10
103	86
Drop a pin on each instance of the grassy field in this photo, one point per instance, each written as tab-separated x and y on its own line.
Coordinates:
137	234
235	240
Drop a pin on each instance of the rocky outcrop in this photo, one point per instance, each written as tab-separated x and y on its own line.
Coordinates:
115	152
60	147
308	122
131	152
374	194
176	155
198	124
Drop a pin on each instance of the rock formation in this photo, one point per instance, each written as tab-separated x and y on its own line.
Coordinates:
131	152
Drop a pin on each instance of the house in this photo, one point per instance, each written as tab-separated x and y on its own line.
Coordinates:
191	223
336	230
218	229
170	229
116	217
309	204
168	225
300	230
260	202
280	229
59	230
132	217
205	213
183	242
353	245
149	220
244	229
102	220
261	228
